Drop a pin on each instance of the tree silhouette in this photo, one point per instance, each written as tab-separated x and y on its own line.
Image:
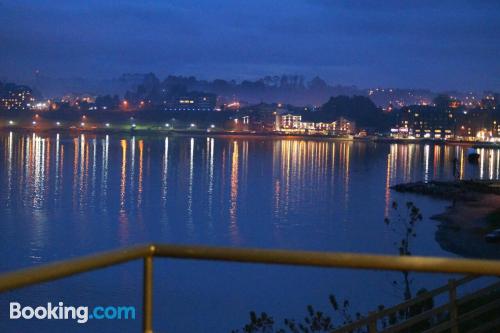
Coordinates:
404	225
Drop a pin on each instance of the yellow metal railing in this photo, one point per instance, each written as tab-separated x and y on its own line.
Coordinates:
451	323
50	272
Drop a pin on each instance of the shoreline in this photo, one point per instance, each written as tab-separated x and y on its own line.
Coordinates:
174	132
249	134
474	212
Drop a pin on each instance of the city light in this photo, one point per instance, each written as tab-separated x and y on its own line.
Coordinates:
321	160
40	106
234	105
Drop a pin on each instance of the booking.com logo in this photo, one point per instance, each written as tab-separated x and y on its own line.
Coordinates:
81	314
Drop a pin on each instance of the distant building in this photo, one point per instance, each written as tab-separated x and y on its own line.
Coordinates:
192	101
344	126
288	122
15	97
292	123
425	122
230	105
462	123
477	124
489	102
76	99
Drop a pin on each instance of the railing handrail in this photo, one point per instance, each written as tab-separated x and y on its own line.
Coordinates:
61	269
377	315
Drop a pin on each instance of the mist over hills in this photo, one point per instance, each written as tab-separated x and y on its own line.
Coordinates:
291	89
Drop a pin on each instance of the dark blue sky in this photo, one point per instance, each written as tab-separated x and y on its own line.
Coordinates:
432	44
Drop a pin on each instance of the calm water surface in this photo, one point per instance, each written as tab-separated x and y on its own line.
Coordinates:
63	196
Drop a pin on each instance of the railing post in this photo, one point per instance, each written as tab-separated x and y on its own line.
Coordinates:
372	322
372	326
147	301
452	287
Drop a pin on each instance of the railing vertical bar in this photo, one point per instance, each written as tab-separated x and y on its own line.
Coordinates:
452	285
372	326
147	319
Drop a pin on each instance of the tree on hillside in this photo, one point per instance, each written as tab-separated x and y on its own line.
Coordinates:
442	101
357	108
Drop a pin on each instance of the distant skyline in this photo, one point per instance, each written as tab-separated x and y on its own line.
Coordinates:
442	45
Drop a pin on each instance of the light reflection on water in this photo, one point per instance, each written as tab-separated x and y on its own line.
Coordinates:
213	179
210	174
87	193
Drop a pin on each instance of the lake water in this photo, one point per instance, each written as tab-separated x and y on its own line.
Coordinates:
63	196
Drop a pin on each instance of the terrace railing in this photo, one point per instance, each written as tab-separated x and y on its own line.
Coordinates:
445	317
58	270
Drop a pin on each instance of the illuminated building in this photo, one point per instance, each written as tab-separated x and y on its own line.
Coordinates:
421	121
15	97
291	123
192	101
479	123
234	105
76	99
288	122
489	102
476	124
41	106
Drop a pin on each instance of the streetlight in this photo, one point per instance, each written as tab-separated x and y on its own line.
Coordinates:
34	122
167	125
58	123
134	125
212	126
107	125
11	122
193	125
82	124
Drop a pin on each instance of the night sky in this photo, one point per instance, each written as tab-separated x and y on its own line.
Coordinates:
391	43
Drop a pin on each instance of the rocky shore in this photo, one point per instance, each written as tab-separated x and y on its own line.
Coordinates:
464	190
474	212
